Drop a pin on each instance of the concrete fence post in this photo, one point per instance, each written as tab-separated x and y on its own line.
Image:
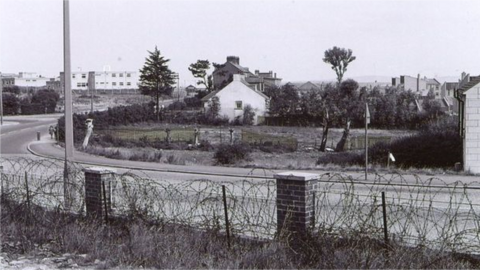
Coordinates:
295	202
98	205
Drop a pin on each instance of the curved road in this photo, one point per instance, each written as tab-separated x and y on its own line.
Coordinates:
19	137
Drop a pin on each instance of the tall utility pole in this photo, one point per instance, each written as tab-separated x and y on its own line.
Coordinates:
68	82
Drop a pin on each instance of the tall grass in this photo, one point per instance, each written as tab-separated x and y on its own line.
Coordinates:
142	244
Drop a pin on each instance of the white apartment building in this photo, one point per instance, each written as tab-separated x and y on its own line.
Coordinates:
104	80
30	79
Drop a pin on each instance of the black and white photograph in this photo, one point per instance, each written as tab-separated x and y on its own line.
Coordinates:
239	134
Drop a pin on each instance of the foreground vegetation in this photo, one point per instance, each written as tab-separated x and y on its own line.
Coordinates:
135	242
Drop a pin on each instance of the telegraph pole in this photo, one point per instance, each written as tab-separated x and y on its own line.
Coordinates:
68	82
67	73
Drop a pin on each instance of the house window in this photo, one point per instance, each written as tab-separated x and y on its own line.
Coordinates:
114	75
73	76
121	83
128	75
121	74
84	76
114	83
238	104
129	83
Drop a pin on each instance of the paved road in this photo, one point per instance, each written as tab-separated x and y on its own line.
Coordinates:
19	138
17	132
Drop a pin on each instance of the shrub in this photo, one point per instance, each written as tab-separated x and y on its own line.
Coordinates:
342	158
437	145
230	154
177	105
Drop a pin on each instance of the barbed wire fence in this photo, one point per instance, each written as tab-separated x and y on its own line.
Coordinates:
419	212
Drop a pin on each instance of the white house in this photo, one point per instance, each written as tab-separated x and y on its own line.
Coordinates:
235	96
469	97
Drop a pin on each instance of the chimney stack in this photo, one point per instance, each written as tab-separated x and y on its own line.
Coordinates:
233	59
418	82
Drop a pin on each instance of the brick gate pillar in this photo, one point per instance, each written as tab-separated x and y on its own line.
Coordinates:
96	203
295	202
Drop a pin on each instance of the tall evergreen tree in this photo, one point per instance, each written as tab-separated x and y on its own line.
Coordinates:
156	78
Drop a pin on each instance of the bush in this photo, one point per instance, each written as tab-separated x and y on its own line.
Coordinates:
230	154
437	145
177	106
193	102
342	158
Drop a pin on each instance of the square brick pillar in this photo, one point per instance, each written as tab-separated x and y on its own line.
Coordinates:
295	202
97	205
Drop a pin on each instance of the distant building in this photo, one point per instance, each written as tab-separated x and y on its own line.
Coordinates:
260	80
434	85
406	83
31	79
8	79
447	91
192	90
106	81
235	96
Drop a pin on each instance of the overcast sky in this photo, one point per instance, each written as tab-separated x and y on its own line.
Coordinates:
389	37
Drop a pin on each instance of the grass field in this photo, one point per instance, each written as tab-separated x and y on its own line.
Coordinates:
135	133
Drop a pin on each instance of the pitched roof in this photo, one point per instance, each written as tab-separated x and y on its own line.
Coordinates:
212	94
466	85
433	81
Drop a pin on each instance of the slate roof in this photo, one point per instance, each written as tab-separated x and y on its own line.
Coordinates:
212	94
465	86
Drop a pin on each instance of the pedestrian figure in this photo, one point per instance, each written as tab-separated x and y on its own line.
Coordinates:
50	131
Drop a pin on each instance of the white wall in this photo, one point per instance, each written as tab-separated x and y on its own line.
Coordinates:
30	79
238	91
471	145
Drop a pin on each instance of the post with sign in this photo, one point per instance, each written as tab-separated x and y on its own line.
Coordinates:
367	121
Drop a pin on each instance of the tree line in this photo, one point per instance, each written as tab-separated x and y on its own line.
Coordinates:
33	102
338	104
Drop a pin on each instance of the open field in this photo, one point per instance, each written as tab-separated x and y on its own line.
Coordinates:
306	139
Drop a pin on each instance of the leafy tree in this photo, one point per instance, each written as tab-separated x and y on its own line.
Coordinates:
284	101
11	103
311	103
156	79
199	70
12	89
46	98
339	58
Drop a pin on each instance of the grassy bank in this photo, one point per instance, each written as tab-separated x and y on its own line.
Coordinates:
141	244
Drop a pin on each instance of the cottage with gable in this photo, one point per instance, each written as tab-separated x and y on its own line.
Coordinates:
468	95
234	97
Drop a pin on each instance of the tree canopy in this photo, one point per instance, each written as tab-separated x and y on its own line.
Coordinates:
156	78
199	70
339	58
